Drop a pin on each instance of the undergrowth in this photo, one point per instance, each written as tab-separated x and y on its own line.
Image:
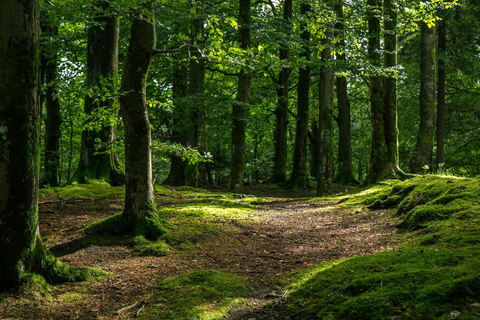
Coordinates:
433	275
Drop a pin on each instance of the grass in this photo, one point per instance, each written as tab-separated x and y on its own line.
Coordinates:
205	294
434	275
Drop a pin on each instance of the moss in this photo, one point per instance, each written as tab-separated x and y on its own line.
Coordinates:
207	294
96	189
34	288
113	225
150	248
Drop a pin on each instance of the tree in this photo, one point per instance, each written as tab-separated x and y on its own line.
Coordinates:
21	245
281	111
298	178
52	102
100	162
442	51
325	119
240	107
345	170
422	157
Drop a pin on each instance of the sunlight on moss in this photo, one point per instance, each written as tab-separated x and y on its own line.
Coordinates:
96	189
205	295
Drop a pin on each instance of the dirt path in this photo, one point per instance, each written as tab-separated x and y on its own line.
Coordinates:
288	235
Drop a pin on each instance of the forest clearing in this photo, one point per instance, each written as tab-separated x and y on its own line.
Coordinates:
229	256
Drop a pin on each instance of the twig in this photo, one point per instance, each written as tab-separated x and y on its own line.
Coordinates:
127	308
278	301
139	310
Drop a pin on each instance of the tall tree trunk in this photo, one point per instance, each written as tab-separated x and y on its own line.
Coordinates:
383	129
180	91
325	119
313	138
298	179
442	51
102	66
424	148
196	92
54	120
139	198
21	246
345	171
240	108
281	112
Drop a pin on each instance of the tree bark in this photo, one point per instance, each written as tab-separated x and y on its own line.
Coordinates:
240	108
139	197
52	127
298	178
102	68
21	246
180	91
281	112
345	171
196	93
442	51
325	119
424	148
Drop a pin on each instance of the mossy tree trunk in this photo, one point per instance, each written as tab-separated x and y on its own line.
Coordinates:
345	171
176	176
196	89
21	246
139	196
240	107
325	119
442	51
102	68
298	178
426	134
384	156
281	112
53	122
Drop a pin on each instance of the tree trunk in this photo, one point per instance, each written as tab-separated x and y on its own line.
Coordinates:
383	111
240	108
442	51
102	67
54	120
298	179
21	246
196	93
139	197
325	119
180	91
281	112
313	138
345	171
422	158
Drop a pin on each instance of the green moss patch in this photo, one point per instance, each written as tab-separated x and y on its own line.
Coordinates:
95	189
203	295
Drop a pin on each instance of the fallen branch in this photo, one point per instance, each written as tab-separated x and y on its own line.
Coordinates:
127	308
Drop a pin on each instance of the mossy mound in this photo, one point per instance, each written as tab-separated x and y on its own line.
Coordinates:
427	198
434	274
207	294
95	189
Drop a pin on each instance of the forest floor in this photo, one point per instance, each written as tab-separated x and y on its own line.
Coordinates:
280	233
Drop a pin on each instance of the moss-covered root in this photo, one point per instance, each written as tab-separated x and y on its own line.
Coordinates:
54	271
149	232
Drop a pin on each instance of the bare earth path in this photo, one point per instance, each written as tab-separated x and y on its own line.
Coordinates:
288	235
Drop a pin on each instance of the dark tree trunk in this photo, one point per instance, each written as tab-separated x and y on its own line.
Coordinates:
345	171
442	51
196	102
313	138
298	179
384	156
54	120
240	108
325	119
102	65
139	197
21	246
281	112
180	90
424	148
